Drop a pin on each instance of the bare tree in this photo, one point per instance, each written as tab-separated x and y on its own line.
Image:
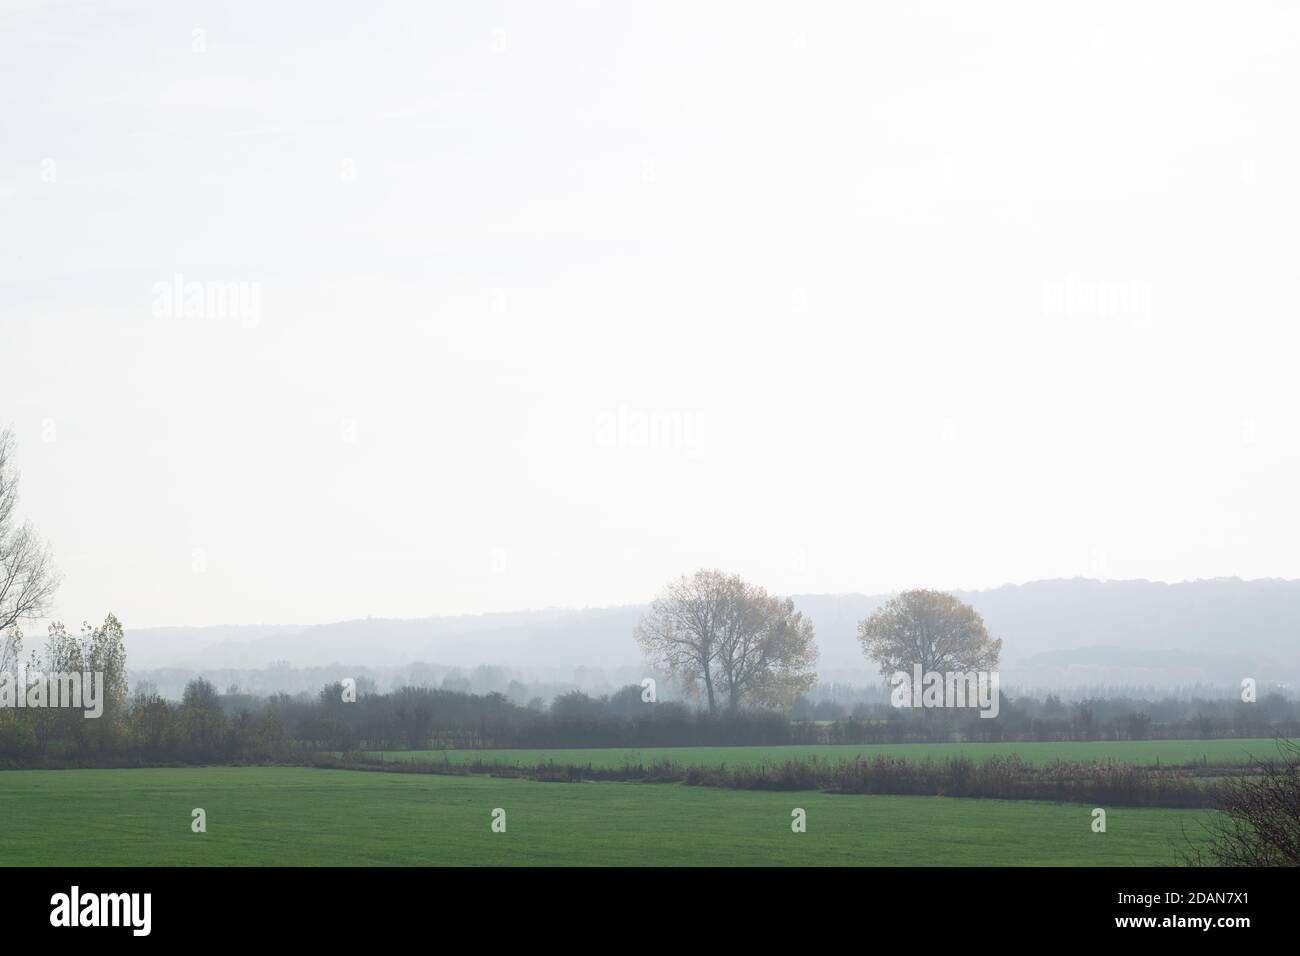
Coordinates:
713	630
681	630
27	576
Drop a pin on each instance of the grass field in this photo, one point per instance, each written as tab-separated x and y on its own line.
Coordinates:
299	816
1167	752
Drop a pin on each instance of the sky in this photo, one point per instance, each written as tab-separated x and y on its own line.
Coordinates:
409	309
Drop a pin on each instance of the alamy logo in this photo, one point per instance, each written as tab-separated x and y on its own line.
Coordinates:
182	299
947	689
102	909
33	689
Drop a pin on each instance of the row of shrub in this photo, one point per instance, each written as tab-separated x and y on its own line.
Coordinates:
1002	777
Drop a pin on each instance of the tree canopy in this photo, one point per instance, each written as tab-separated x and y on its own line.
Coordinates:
929	628
732	639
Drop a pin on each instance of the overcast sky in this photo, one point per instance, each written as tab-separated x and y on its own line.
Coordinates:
545	303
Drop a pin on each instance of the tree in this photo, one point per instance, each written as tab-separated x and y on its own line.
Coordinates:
628	701
27	580
732	638
929	628
574	705
202	723
767	651
201	694
151	719
27	576
104	651
680	632
64	654
413	707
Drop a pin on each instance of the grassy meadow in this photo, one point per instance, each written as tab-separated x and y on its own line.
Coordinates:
306	817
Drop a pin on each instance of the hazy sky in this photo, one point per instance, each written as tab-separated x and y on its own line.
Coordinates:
545	303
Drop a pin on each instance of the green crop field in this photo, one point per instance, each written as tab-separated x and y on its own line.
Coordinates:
1168	752
299	816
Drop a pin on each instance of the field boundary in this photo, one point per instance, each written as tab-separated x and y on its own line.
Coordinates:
998	778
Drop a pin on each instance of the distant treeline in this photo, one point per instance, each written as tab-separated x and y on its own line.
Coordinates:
830	700
423	718
209	727
533	687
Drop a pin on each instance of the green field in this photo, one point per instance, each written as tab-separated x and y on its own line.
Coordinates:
299	816
1167	752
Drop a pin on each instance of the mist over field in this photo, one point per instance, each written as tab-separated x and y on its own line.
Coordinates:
587	433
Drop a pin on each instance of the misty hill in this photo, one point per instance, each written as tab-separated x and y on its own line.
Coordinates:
1056	633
